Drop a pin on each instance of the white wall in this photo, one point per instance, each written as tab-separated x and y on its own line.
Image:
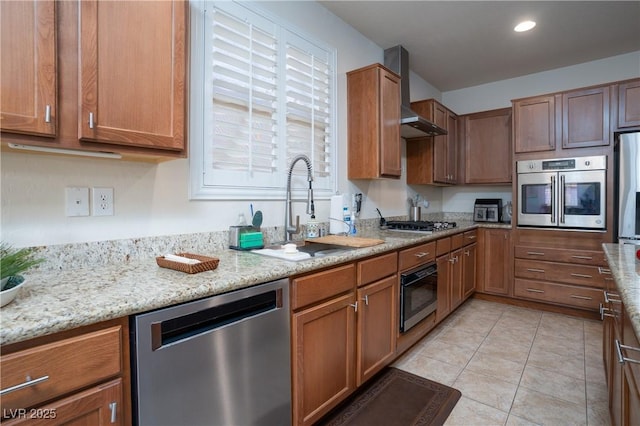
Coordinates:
153	199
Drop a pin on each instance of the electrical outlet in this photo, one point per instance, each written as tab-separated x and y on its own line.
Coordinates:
77	201
103	201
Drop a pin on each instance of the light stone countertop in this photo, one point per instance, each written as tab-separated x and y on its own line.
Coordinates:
54	301
626	273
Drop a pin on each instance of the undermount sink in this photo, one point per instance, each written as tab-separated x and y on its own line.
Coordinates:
306	250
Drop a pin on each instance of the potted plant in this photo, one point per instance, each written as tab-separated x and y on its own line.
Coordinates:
13	262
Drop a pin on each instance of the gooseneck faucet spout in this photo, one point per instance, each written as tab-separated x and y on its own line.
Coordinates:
290	228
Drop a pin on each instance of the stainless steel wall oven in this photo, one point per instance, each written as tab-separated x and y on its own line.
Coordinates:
418	295
563	193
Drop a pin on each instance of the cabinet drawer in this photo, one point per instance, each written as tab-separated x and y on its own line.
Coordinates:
584	257
579	297
322	285
470	237
67	364
560	272
375	269
443	246
417	255
457	241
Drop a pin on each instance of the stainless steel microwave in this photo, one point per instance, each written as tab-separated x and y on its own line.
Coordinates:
563	193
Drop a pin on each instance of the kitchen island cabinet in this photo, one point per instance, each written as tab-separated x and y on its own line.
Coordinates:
81	376
29	78
373	114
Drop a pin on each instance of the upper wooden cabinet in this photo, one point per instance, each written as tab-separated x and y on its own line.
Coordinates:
373	103
28	67
536	124
119	68
629	104
573	119
132	73
433	160
585	118
487	147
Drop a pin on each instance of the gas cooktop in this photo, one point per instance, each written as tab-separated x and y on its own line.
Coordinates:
424	226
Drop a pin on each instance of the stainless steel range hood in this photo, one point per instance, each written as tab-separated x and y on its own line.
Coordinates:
412	125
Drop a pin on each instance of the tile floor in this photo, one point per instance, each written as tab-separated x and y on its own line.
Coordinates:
515	366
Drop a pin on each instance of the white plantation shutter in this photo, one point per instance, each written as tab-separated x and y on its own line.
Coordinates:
261	94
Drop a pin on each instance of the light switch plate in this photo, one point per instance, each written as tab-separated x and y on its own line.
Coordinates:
77	201
103	201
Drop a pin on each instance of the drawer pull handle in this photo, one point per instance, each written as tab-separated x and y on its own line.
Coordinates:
534	290
604	271
471	237
602	312
575	296
583	257
535	253
26	384
422	254
113	407
535	270
609	299
581	276
622	359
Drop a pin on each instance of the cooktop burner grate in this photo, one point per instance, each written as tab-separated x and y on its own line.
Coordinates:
419	225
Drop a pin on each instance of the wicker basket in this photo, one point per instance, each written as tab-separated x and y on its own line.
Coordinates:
206	263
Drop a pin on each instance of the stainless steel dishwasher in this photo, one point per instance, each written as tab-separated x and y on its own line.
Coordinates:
224	360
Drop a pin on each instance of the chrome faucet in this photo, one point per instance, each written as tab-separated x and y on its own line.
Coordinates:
289	228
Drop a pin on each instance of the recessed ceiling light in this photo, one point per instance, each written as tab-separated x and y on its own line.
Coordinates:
524	26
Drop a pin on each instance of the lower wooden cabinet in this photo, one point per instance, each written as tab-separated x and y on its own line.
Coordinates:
76	377
323	361
469	268
495	261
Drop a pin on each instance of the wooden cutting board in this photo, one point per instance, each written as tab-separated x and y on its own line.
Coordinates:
343	240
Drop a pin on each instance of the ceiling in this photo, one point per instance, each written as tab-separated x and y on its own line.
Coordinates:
458	44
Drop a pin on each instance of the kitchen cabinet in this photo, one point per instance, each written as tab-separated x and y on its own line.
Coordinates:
344	325
373	114
487	147
469	263
132	80
585	118
629	104
557	268
434	160
121	79
79	375
537	126
566	120
495	261
29	79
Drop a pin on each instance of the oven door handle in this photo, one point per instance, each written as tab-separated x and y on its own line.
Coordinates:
553	199
561	199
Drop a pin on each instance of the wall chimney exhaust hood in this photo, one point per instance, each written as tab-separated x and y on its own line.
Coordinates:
412	125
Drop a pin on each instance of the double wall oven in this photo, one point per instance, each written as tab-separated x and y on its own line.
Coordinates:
563	193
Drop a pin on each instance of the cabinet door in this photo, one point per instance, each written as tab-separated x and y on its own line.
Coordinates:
97	406
440	163
585	118
535	124
132	81
323	367
469	270
487	145
389	128
629	104
28	67
377	326
452	147
444	287
497	261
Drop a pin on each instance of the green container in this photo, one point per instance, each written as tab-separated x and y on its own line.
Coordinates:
251	240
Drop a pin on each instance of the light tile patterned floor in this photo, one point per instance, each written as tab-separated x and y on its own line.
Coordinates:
515	366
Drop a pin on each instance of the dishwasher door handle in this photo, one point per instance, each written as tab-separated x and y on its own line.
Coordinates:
167	332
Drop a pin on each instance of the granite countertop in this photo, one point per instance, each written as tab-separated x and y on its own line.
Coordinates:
626	273
50	302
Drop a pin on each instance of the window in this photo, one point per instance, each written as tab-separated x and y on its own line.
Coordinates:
261	94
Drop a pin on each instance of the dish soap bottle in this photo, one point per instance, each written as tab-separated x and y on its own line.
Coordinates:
313	228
